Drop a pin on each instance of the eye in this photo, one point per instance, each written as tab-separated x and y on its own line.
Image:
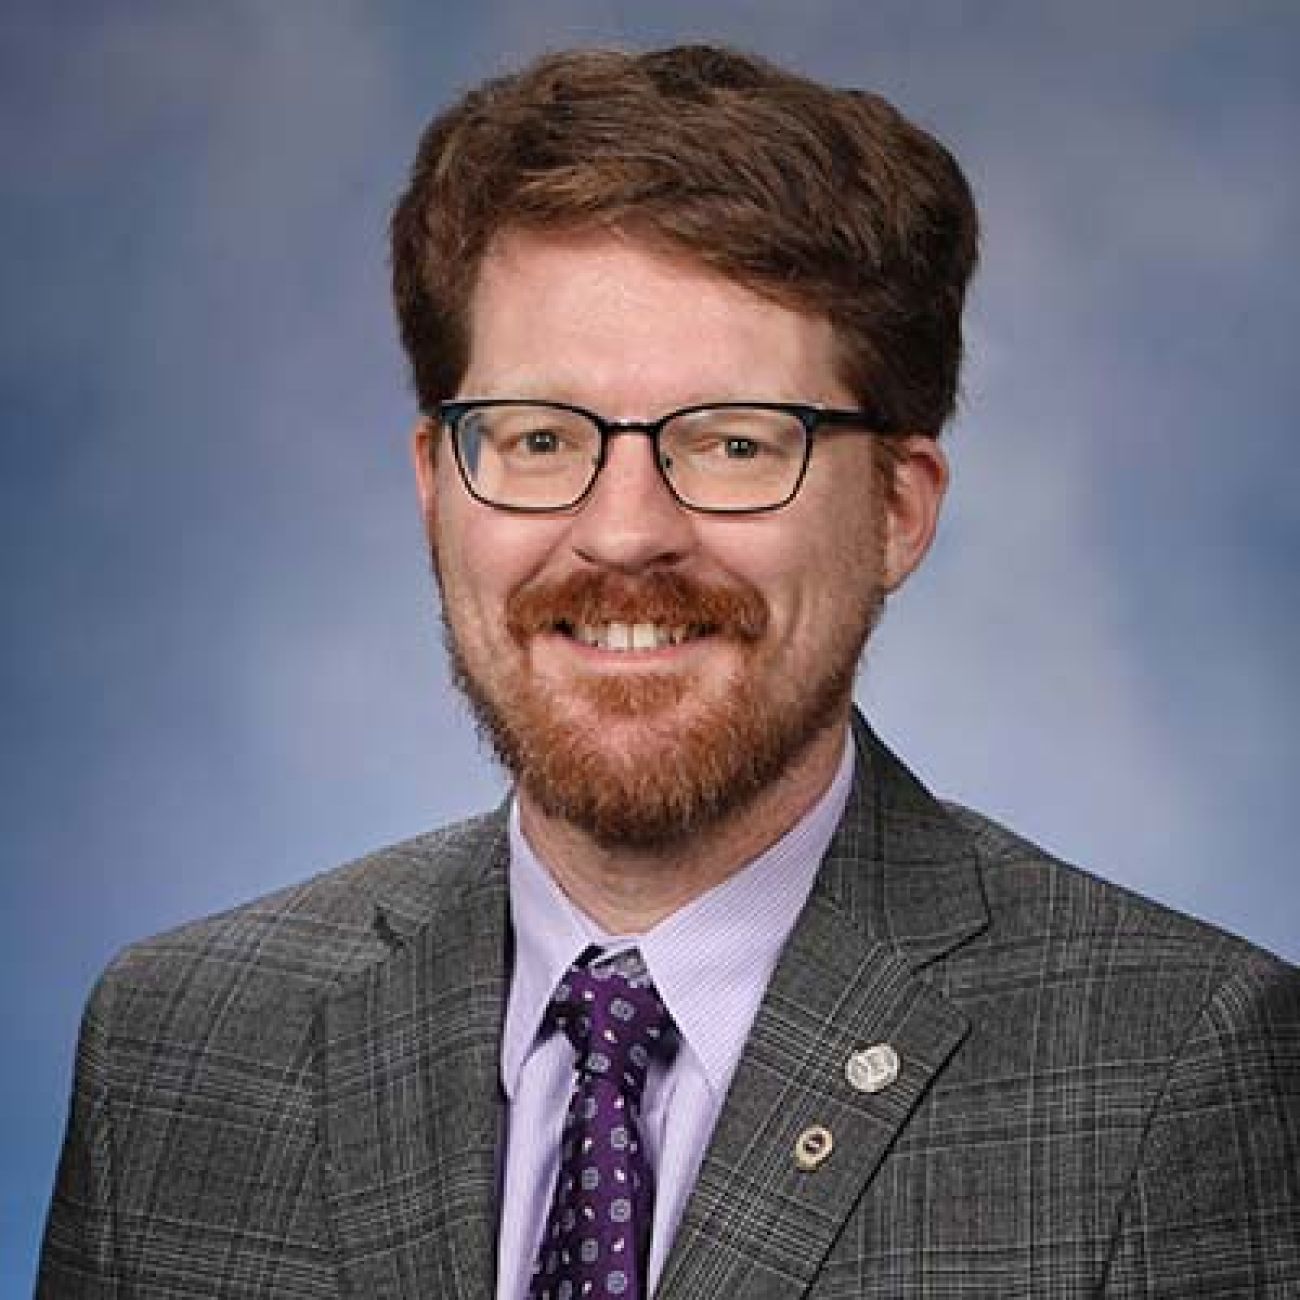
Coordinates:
534	440
540	442
734	448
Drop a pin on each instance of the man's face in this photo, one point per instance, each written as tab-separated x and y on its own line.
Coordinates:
641	746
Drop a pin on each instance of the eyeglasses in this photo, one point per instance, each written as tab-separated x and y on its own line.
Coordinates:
722	458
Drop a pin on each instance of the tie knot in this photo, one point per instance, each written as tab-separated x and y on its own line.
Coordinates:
615	1019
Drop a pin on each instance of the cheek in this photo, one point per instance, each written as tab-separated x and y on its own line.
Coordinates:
807	561
847	537
784	569
484	554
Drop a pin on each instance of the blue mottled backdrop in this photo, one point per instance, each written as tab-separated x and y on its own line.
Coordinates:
220	668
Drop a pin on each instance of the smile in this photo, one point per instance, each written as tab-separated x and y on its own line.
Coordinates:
619	636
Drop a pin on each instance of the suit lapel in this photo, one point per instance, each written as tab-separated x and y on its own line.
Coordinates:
898	889
409	1086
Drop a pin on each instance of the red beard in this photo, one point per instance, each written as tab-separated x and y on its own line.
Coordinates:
696	757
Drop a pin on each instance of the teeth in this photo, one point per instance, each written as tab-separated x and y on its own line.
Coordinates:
645	636
630	636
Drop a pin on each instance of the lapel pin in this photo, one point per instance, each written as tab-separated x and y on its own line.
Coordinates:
872	1069
813	1147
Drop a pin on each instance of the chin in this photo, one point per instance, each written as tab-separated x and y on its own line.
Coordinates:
646	761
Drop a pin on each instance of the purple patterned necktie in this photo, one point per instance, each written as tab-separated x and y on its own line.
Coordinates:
595	1241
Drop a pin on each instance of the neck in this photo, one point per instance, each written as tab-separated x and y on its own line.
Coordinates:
630	890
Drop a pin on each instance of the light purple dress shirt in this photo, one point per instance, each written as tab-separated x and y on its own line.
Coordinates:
711	962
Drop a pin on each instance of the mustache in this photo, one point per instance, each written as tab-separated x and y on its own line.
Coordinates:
592	598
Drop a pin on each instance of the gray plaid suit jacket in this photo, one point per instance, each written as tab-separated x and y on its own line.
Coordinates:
1097	1097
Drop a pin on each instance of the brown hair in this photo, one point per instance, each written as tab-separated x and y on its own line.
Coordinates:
824	200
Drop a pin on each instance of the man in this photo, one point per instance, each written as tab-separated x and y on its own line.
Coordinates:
723	1003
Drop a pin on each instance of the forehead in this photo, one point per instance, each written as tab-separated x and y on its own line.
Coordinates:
601	318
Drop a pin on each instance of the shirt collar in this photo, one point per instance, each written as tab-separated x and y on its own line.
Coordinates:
711	960
550	932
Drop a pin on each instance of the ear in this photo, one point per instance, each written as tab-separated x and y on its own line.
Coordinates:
423	455
911	511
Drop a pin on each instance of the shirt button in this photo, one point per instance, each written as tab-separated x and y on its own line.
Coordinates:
872	1069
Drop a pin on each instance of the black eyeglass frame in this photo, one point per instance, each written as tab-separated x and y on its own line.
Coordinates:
813	418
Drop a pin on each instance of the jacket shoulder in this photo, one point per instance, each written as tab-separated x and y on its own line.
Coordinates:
1036	896
283	950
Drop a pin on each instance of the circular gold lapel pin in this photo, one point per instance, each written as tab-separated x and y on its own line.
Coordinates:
813	1147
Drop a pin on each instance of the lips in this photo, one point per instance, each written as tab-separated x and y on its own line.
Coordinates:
616	613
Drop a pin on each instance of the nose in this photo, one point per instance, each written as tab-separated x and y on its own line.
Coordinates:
631	521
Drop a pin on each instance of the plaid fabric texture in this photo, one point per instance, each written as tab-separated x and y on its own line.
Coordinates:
1095	1096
